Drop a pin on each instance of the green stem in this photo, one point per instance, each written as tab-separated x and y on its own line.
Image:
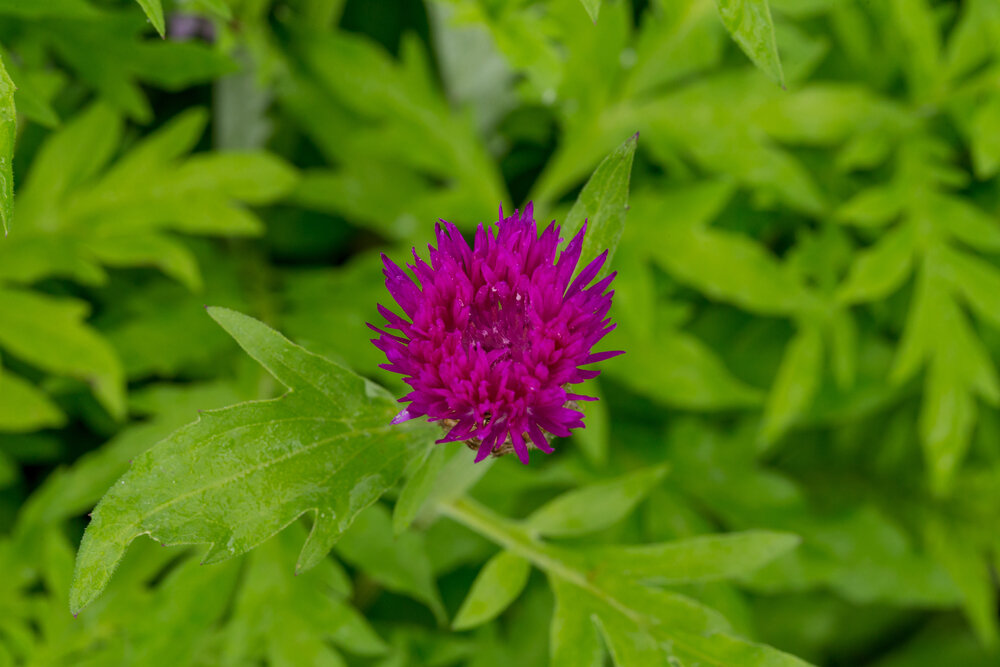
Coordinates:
514	537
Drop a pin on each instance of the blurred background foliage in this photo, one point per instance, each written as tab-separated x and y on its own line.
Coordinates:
808	292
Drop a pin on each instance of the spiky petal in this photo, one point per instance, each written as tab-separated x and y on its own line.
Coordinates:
497	333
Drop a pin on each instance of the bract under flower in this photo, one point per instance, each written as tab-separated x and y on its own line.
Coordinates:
495	334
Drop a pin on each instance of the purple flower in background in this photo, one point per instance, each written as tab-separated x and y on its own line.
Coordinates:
496	334
184	27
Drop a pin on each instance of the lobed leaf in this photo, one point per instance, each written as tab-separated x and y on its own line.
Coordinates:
239	475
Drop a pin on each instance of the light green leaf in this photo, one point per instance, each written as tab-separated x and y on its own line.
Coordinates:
704	558
679	370
498	584
872	207
662	624
880	270
963	221
417	489
976	280
796	383
50	333
154	10
593	440
154	250
239	475
970	570
24	408
8	133
603	203
573	639
750	24
985	140
314	604
593	8
629	646
592	508
398	562
729	267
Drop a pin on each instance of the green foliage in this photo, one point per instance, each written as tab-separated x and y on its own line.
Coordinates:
796	455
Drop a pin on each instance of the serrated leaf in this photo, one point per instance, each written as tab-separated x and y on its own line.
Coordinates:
796	383
8	134
750	24
417	489
592	508
240	474
603	203
704	558
496	586
154	10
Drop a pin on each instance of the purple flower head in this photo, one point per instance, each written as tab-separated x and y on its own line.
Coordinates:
496	334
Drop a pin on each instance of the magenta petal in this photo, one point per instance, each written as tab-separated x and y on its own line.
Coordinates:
494	331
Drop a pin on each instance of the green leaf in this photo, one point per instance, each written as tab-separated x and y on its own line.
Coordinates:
602	204
705	558
750	24
679	370
976	280
154	10
593	8
729	267
970	570
592	508
24	408
985	133
398	562
593	440
417	489
880	270
314	605
50	333
959	219
8	133
498	584
796	383
573	635
239	475
648	625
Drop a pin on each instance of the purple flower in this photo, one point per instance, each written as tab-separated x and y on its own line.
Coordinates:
496	334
